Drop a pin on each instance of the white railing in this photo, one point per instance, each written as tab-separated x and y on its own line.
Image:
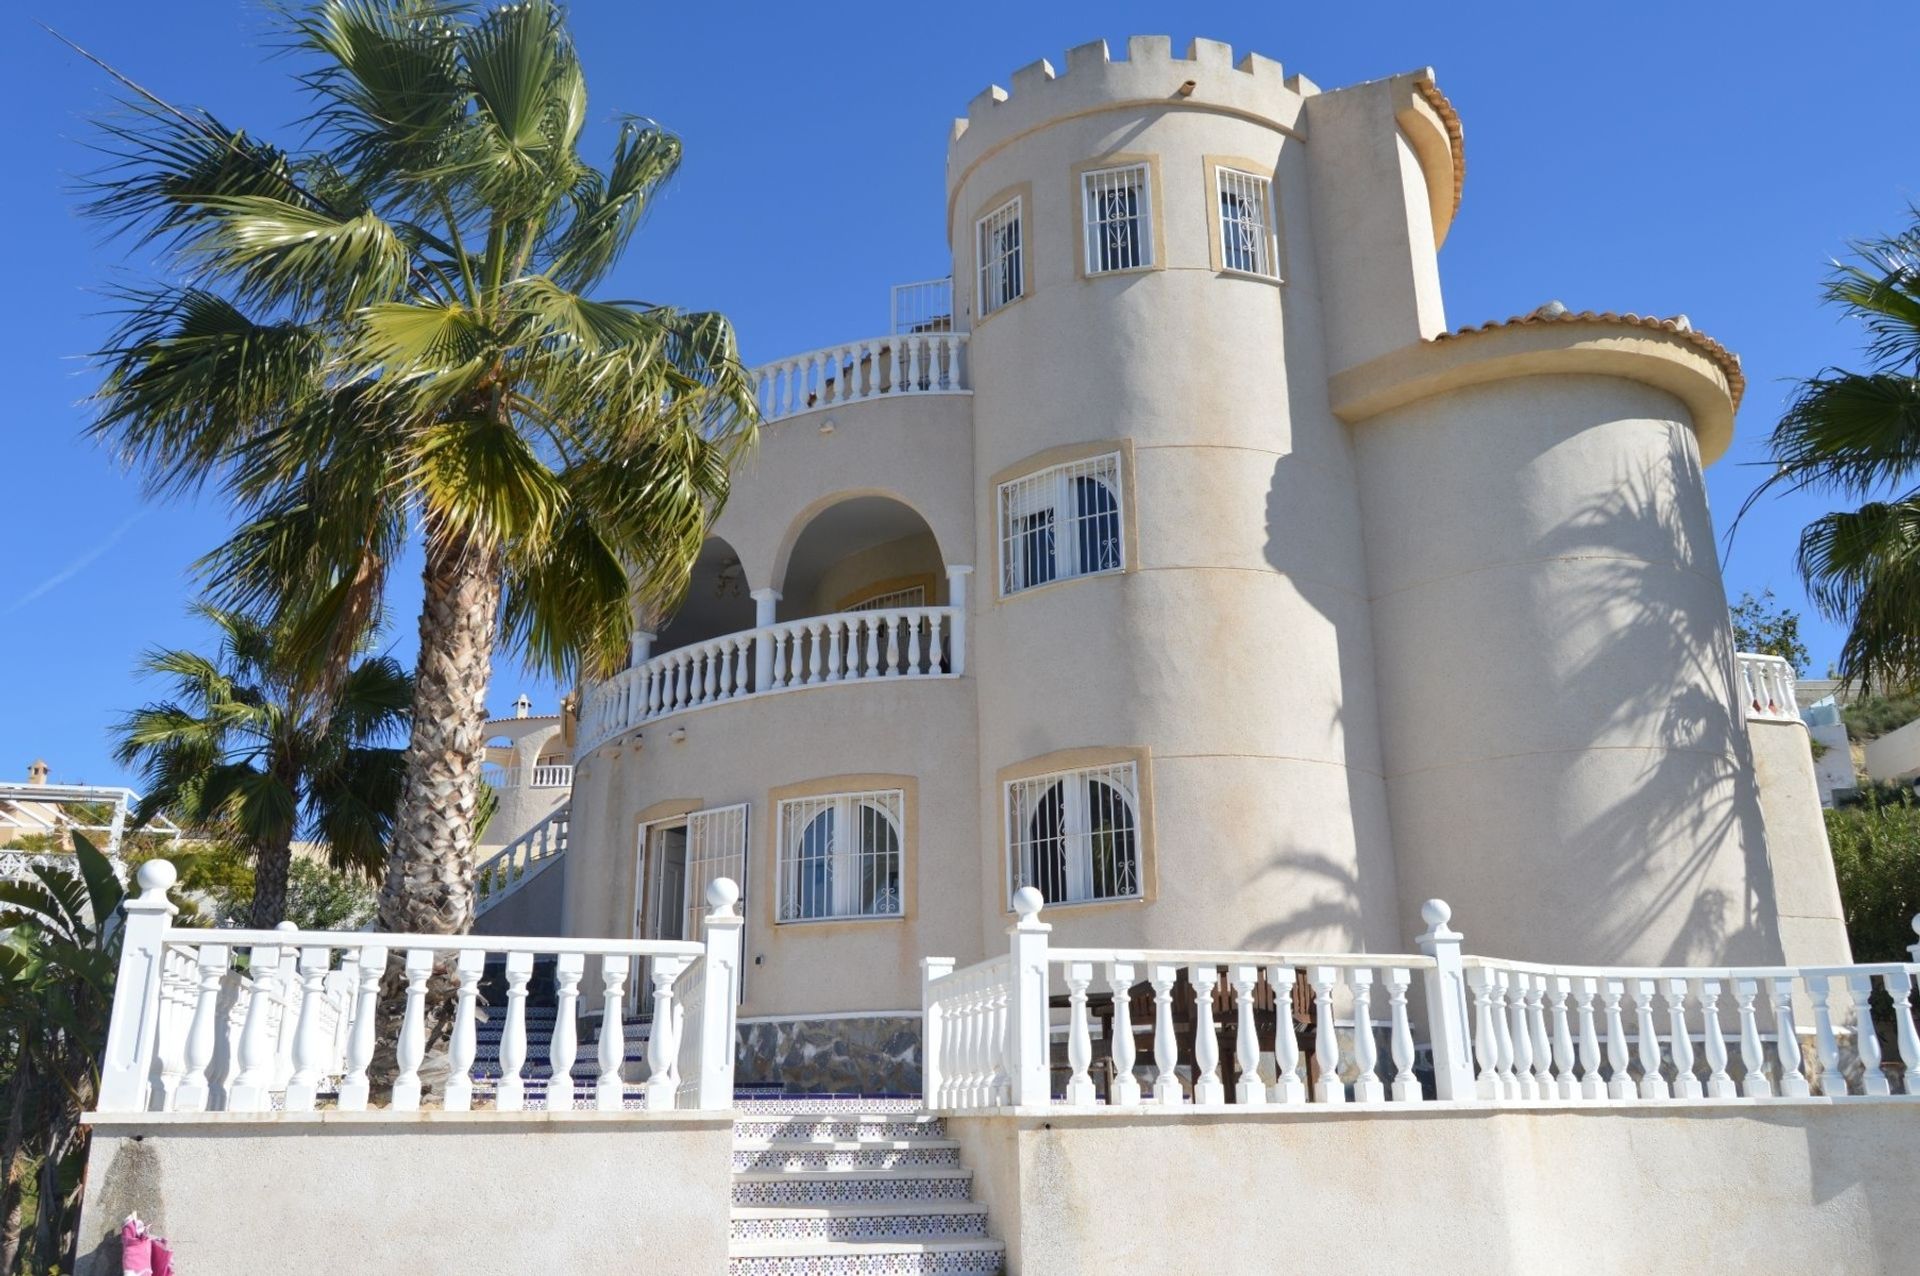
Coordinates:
907	363
251	1021
1495	1032
521	860
925	306
1765	685
15	865
539	777
557	776
850	646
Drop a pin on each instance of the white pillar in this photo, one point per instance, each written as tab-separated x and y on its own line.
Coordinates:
957	599
933	1029
1446	1004
722	996
765	601
1027	1030
136	1001
642	646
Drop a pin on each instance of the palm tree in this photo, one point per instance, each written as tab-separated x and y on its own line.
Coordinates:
1856	435
250	748
390	335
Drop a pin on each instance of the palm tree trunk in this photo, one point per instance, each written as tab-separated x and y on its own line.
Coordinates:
13	1163
271	864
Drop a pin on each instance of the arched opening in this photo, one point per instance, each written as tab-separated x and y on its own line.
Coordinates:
718	600
862	553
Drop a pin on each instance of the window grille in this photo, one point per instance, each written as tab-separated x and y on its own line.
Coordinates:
911	596
1060	523
1119	219
840	856
681	861
1246	223
1002	262
1074	835
716	847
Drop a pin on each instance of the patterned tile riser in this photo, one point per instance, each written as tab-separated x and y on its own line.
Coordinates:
862	1227
873	1159
819	1192
804	1128
829	1104
985	1262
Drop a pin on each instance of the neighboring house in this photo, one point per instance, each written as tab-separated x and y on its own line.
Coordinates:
46	815
1183	563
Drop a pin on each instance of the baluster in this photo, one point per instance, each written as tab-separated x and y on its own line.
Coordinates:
1592	1085
1793	1083
458	1095
1366	1051
1752	1054
1647	1042
915	358
1521	1034
780	657
1833	1082
1685	1084
816	652
1899	985
1486	1045
1288	1085
1079	1037
962	1069
677	694
511	1095
210	965
1503	1058
1166	1083
898	381
1406	1086
309	1051
1543	1085
1207	1090
1563	1085
722	656
353	1086
912	622
836	669
1326	1041
1249	1090
662	1045
1126	1088
562	1048
249	1089
286	1025
1619	1083
874	668
892	665
973	1039
1001	1040
1719	1084
412	1045
610	1090
709	674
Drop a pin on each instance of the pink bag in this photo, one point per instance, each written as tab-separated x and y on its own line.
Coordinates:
136	1248
162	1258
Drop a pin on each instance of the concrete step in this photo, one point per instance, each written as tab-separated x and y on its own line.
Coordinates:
846	1154
842	1187
820	1125
946	1257
901	1221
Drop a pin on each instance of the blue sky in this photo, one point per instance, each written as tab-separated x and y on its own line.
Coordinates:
1702	158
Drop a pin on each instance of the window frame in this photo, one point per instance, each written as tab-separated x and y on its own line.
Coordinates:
1023	798
1219	168
1052	488
845	868
1021	253
1153	234
1095	224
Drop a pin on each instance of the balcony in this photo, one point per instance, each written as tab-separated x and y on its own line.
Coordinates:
1765	685
920	355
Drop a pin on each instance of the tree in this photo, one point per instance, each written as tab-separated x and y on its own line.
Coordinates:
1876	859
1760	626
249	747
59	955
1856	435
390	334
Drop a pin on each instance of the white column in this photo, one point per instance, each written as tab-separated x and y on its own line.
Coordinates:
511	1096
1207	1090
458	1095
610	1089
1288	1085
1079	1036
1248	1091
1719	1083
1166	1081
354	1087
1027	1002
765	603
1125	1089
933	1029
135	1016
1406	1086
253	1072
413	1031
564	1045
714	1086
1366	1081
1446	1004
957	599
211	963
1326	1042
309	1052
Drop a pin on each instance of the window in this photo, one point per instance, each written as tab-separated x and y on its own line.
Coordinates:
840	856
1246	223
1075	835
1060	522
1002	262
1119	220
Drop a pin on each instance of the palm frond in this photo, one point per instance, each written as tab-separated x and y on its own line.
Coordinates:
1849	433
482	481
281	254
605	212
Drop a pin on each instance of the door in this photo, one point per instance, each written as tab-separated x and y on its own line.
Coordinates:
681	857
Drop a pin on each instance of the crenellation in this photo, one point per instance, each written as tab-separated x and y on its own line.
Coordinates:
1151	72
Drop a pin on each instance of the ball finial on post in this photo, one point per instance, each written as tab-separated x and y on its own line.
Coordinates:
156	878
722	894
1027	902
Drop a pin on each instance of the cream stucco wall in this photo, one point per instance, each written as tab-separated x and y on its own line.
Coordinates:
1744	1187
1813	928
432	1194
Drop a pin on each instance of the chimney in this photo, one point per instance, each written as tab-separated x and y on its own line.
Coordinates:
37	773
523	707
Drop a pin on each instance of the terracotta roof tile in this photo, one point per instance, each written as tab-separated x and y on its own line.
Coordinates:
1455	136
1727	361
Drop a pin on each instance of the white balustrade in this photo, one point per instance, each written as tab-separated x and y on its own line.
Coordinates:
851	646
319	993
1765	685
876	367
516	864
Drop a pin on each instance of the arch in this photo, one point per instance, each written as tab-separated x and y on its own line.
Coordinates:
811	513
718	600
855	547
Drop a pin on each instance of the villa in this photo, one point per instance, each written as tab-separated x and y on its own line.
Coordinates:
1049	787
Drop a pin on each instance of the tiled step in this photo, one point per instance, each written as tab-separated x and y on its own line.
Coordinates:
842	1187
846	1154
830	1104
883	1258
818	1125
908	1220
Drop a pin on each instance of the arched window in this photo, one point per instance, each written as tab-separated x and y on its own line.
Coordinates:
840	856
1075	835
1061	522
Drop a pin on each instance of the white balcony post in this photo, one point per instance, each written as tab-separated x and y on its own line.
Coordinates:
933	1028
642	646
1445	984
722	996
135	1018
957	636
764	603
1027	1003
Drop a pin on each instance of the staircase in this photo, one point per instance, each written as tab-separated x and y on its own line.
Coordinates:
538	1073
852	1187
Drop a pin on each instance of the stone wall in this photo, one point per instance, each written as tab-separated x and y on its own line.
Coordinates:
877	1054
